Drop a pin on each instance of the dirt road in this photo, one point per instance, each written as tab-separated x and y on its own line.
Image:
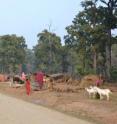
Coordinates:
15	111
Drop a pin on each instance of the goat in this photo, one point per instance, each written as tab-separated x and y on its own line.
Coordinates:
92	92
102	92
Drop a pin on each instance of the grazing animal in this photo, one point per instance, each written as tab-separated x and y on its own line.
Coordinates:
91	91
18	80
103	92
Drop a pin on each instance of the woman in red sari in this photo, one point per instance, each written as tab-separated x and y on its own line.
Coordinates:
39	79
28	88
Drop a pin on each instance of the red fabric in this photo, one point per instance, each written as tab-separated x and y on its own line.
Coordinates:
98	82
39	78
28	88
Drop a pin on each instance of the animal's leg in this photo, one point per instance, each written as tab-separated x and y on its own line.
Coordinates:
10	84
89	95
101	97
94	95
107	97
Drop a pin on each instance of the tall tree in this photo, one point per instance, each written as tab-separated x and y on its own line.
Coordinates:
92	12
81	34
89	35
110	22
47	52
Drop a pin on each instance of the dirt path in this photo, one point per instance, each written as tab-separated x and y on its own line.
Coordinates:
15	111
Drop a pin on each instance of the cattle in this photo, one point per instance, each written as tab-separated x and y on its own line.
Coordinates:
18	80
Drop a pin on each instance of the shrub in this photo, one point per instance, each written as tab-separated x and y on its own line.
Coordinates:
113	73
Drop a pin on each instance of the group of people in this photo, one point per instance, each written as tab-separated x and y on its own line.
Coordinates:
38	79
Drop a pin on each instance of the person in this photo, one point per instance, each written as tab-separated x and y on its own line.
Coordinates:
23	76
99	81
28	87
39	79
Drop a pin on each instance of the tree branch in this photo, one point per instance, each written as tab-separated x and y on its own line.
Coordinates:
103	1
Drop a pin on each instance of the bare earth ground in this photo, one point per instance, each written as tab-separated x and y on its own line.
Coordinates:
15	111
76	104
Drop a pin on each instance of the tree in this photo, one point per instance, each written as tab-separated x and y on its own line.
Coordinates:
92	12
12	52
88	35
47	52
110	22
30	60
64	60
81	34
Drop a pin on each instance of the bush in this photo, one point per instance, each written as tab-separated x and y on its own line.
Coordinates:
113	73
86	71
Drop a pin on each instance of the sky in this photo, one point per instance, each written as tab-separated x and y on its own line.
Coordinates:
27	18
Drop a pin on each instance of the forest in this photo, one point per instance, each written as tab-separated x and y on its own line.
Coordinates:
90	45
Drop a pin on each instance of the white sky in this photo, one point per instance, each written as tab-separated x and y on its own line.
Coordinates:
29	17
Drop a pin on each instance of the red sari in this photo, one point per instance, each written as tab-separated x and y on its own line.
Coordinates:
39	79
28	88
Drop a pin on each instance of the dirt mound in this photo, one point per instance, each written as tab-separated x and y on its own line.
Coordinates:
3	78
61	83
65	83
62	78
88	80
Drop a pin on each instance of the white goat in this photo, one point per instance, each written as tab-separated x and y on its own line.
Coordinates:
91	91
102	92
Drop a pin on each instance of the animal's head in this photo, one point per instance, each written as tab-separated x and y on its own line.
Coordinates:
95	87
86	88
91	87
109	91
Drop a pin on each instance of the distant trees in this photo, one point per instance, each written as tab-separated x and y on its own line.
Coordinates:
88	42
12	53
90	46
29	61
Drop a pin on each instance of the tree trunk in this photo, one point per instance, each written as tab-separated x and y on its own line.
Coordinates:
108	55
95	62
83	64
94	25
107	62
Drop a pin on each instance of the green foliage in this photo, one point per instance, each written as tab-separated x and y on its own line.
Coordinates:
12	53
64	60
47	52
79	70
88	36
109	13
113	73
30	61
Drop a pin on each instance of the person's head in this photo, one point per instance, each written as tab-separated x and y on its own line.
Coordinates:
26	79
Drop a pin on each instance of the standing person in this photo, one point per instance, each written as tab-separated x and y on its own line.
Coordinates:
28	87
39	79
99	81
23	76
